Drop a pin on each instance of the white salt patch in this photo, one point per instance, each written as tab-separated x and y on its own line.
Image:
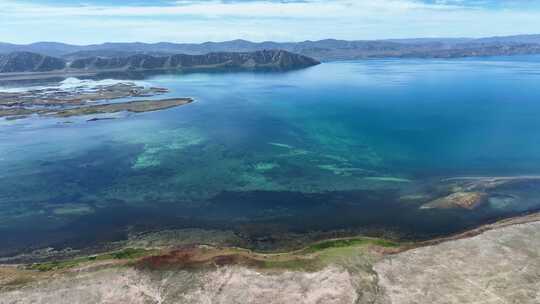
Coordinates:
73	83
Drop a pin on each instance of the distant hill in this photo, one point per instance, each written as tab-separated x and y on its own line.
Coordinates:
109	54
29	62
326	50
520	39
25	62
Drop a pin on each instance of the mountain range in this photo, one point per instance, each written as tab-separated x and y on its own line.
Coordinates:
324	50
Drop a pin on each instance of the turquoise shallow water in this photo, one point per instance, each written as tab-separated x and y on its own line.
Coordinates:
330	147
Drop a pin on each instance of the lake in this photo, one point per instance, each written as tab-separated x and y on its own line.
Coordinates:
342	146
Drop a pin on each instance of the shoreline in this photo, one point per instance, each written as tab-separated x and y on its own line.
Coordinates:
347	270
527	217
385	246
44	75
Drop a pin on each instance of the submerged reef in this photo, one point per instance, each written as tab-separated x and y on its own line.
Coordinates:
157	145
466	200
473	193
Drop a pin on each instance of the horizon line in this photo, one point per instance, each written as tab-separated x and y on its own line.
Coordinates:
274	41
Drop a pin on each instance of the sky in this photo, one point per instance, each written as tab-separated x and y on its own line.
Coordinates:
97	21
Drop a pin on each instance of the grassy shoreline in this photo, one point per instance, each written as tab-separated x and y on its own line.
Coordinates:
351	253
203	254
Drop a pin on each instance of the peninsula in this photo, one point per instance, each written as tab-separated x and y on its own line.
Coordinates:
29	65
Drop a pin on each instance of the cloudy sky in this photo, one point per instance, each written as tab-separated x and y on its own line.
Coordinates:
95	21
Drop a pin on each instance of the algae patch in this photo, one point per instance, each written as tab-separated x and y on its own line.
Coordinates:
73	209
340	170
389	179
280	145
265	166
156	145
124	254
340	243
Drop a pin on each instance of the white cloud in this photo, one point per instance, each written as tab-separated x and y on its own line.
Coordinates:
197	21
299	9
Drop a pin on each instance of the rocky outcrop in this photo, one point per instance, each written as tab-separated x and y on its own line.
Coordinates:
465	200
29	62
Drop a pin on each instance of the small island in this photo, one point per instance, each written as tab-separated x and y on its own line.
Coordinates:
84	100
139	106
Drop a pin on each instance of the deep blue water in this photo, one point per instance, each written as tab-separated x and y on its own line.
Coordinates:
330	147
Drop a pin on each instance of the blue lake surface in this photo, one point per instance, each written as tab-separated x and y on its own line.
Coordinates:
333	147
